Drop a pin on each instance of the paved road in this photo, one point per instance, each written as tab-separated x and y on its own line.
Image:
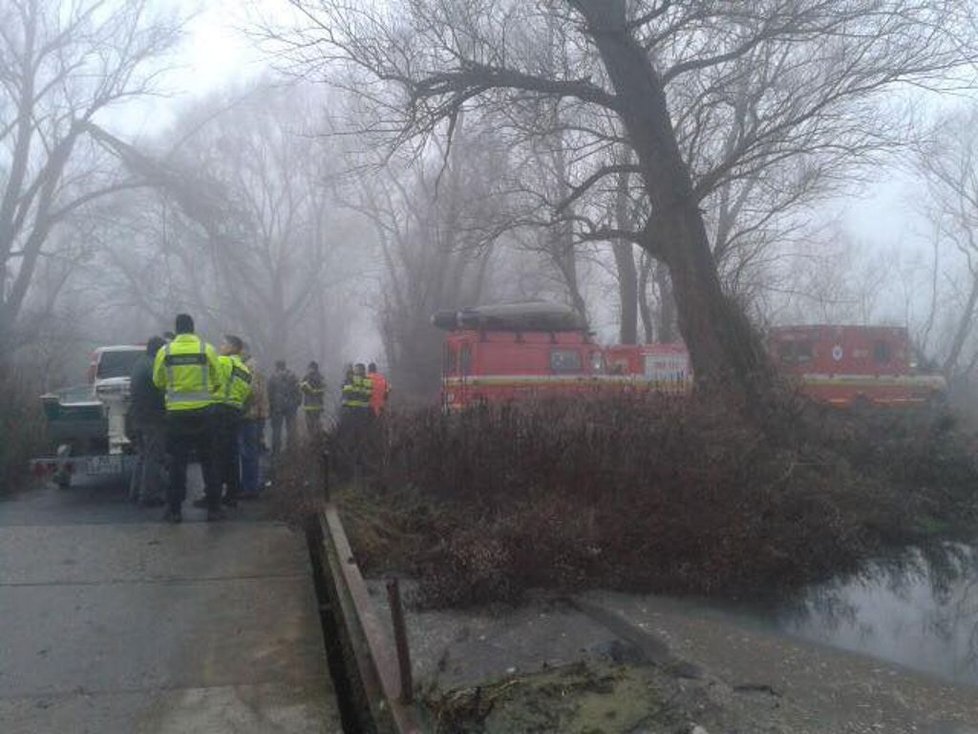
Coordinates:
114	622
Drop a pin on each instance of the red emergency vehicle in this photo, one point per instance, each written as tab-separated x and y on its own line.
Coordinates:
663	367
854	365
533	350
515	351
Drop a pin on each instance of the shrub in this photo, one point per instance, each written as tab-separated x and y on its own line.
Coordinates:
651	493
22	428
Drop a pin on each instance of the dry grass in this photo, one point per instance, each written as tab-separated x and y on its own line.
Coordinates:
22	428
657	494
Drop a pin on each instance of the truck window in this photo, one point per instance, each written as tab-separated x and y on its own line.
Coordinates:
882	354
792	352
565	360
450	361
116	364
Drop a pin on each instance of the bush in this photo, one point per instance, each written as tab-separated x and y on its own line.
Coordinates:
652	494
22	428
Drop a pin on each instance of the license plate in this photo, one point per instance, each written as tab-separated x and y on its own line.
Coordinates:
105	465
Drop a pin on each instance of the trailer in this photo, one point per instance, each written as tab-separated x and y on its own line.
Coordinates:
87	424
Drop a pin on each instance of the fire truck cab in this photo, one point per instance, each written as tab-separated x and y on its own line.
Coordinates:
853	365
516	352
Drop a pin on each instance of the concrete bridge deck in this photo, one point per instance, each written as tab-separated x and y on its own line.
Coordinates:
114	622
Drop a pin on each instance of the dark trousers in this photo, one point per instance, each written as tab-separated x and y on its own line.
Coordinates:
148	481
277	419
353	441
314	421
249	446
190	431
226	454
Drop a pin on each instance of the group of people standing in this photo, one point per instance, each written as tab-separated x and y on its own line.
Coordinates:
188	399
287	394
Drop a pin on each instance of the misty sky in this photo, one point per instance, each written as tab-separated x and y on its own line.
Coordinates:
217	53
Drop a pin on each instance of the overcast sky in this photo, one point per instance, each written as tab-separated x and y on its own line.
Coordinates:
217	52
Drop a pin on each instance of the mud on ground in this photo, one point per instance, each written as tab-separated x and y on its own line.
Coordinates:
638	664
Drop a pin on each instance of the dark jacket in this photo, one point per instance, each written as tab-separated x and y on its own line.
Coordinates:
313	388
283	393
146	400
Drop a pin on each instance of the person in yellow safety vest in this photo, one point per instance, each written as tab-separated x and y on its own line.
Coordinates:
188	372
234	391
355	420
313	388
357	391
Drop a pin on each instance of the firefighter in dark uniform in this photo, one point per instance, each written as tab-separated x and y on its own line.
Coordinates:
313	388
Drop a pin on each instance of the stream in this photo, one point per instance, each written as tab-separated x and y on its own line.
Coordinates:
920	612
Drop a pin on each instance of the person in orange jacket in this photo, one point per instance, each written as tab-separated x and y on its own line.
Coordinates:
381	391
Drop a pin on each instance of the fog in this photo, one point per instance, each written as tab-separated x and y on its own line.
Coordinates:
262	168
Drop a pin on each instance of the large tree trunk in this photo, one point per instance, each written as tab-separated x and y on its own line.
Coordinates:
625	265
644	307
724	350
627	292
667	304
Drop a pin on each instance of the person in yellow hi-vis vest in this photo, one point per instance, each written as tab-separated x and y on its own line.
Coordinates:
189	374
234	392
313	388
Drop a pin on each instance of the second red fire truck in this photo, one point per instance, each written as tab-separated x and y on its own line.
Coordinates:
531	350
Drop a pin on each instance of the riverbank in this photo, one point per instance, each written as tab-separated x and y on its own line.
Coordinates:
630	664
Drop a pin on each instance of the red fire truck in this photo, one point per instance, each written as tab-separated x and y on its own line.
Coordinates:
531	350
516	352
854	365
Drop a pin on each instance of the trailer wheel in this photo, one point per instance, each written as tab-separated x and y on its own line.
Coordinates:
62	481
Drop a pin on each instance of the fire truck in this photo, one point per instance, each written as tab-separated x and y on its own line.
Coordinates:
854	365
532	350
516	351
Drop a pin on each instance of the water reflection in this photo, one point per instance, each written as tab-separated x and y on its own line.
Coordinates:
920	611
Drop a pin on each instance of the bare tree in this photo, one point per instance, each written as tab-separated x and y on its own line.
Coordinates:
436	218
829	63
60	66
947	161
244	226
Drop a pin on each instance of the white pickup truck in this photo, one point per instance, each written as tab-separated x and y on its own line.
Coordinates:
87	423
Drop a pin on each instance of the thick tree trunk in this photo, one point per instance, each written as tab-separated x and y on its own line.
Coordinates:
625	264
644	307
667	304
627	292
724	350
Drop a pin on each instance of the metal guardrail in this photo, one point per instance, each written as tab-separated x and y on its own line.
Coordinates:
384	670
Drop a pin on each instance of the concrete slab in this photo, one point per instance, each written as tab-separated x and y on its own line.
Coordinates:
144	636
267	708
148	552
143	627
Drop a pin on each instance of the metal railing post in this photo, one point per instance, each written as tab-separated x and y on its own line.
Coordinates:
400	640
325	463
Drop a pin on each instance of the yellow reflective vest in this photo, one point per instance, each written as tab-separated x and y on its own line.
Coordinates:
188	372
357	393
235	381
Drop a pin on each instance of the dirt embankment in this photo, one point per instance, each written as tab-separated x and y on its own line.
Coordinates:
624	664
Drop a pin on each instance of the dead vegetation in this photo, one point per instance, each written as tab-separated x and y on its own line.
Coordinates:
22	428
652	494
